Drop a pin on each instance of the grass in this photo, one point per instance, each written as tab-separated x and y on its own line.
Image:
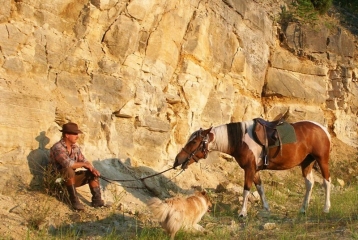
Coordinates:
223	223
284	194
339	223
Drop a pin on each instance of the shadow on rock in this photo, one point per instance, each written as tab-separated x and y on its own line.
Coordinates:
38	161
137	180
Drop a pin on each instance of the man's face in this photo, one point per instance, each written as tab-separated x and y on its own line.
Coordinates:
72	137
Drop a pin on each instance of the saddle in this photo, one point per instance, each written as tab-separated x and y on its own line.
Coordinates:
266	135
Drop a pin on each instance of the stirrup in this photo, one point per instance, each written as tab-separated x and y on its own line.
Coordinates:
266	161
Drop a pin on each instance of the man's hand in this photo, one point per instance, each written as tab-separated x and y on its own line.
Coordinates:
96	172
89	166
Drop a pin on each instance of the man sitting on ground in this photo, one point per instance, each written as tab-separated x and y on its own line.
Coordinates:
65	158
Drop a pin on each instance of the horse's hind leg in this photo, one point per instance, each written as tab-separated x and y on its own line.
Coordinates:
261	191
307	173
323	165
321	154
327	187
309	181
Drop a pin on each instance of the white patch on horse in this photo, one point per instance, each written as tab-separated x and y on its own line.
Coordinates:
244	204
327	186
309	182
248	138
261	191
220	141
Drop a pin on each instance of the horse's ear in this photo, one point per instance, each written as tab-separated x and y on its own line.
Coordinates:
207	131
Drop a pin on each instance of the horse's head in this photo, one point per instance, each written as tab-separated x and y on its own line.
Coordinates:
195	149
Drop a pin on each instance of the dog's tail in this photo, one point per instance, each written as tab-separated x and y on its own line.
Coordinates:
159	209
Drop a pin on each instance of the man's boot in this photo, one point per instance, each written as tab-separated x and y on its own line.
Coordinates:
75	202
96	197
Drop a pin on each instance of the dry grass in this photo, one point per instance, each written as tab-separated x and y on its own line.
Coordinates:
45	217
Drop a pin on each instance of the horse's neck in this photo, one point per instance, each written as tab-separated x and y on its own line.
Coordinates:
220	142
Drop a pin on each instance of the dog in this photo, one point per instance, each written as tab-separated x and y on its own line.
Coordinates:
180	212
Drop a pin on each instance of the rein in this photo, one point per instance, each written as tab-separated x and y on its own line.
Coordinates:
130	180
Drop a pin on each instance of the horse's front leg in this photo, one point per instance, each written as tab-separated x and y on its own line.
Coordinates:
261	191
243	212
249	177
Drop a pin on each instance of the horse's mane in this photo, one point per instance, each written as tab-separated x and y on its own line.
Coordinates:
235	135
193	135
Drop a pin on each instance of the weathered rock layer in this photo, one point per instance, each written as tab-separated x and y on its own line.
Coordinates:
139	76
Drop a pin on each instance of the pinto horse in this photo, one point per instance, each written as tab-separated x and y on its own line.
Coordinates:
237	139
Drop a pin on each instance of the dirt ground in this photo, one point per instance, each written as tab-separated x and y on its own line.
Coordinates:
28	212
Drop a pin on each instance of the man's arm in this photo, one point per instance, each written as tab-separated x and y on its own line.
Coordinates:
86	165
82	162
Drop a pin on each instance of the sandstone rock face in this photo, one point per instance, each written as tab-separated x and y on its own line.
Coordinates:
140	76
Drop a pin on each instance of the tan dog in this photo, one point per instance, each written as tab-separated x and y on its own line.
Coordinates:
180	212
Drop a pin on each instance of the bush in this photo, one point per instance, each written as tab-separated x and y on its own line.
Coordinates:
53	185
321	6
305	10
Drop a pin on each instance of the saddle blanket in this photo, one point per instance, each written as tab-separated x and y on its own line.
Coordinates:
287	134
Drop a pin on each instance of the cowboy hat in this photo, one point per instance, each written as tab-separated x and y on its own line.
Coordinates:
70	128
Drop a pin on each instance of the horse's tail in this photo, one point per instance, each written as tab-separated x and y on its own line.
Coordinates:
316	167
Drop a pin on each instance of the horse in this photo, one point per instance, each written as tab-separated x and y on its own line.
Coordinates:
312	146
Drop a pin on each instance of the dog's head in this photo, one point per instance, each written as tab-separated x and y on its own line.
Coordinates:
204	195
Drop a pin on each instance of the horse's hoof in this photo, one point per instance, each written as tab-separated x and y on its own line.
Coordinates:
242	215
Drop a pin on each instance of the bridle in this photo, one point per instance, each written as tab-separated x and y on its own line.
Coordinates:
203	147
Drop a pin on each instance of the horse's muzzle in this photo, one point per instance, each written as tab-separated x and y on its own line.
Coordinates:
184	164
176	163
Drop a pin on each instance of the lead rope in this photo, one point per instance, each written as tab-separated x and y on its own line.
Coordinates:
176	175
130	180
141	179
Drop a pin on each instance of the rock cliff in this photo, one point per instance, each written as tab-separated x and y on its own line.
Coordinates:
139	76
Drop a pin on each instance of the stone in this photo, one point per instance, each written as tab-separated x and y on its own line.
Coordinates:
122	38
139	78
5	10
269	226
340	182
